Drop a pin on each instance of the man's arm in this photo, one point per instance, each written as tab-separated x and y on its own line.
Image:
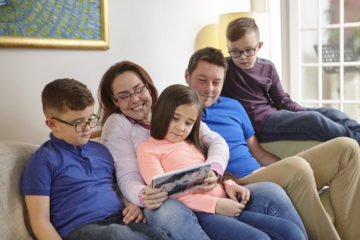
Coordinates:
262	157
39	212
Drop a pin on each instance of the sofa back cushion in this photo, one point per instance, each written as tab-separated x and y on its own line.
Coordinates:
13	157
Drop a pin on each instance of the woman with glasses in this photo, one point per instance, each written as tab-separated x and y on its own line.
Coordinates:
126	97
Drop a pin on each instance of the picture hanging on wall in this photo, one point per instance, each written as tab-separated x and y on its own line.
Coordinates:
67	24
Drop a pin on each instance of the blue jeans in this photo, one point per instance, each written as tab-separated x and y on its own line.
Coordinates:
268	215
113	228
320	124
177	219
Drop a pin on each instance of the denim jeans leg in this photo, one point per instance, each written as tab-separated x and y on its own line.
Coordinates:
219	227
105	232
352	127
113	227
271	199
275	227
302	125
177	219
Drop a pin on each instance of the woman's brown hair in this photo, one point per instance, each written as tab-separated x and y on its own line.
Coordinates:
105	92
172	97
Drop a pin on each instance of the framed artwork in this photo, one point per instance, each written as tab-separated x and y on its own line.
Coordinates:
67	24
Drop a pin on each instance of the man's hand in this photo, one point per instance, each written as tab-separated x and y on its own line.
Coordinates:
153	197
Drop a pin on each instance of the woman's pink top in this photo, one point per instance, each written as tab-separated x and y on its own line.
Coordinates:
161	156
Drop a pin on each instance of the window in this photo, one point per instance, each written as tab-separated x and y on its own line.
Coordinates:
324	45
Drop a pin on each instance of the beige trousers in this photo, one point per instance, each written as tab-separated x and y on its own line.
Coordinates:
335	162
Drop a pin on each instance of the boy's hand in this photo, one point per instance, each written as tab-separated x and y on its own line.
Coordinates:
209	183
235	191
131	213
153	197
228	207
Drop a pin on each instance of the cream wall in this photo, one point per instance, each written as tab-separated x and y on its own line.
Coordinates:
158	34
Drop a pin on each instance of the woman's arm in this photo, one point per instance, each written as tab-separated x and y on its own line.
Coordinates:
39	213
116	136
218	150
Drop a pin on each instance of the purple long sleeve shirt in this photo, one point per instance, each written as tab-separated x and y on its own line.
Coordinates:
259	90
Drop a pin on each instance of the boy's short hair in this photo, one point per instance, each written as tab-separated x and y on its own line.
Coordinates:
239	27
62	94
208	54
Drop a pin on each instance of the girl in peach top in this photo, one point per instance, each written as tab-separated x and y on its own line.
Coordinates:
226	211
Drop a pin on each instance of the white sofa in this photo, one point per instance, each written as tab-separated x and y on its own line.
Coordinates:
13	156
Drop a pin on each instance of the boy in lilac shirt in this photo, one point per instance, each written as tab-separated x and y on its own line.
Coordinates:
255	83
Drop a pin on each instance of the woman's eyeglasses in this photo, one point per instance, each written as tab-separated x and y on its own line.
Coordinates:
126	96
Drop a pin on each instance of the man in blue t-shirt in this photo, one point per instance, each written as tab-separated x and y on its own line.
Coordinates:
68	182
336	162
219	119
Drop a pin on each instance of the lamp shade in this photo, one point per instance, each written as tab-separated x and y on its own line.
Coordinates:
207	37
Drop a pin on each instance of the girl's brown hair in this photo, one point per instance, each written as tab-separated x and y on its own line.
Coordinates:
105	92
172	97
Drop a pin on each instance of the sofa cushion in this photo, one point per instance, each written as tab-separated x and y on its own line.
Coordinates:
287	148
13	156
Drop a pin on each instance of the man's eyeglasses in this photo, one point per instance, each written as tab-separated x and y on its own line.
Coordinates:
247	52
81	126
126	96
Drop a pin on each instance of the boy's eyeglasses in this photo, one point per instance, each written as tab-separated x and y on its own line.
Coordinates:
126	97
81	126
247	52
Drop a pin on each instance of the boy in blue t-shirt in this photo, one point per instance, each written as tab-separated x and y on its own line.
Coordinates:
68	182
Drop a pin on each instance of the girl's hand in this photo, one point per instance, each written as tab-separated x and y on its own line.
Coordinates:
153	197
228	207
235	191
131	213
209	183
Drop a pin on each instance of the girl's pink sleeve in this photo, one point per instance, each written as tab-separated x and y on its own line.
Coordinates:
148	161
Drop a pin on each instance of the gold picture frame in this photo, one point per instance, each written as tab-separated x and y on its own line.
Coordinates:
63	43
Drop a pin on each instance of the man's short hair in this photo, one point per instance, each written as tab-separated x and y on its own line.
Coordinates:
61	95
239	27
208	54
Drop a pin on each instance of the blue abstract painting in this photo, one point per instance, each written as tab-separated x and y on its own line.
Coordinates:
64	19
